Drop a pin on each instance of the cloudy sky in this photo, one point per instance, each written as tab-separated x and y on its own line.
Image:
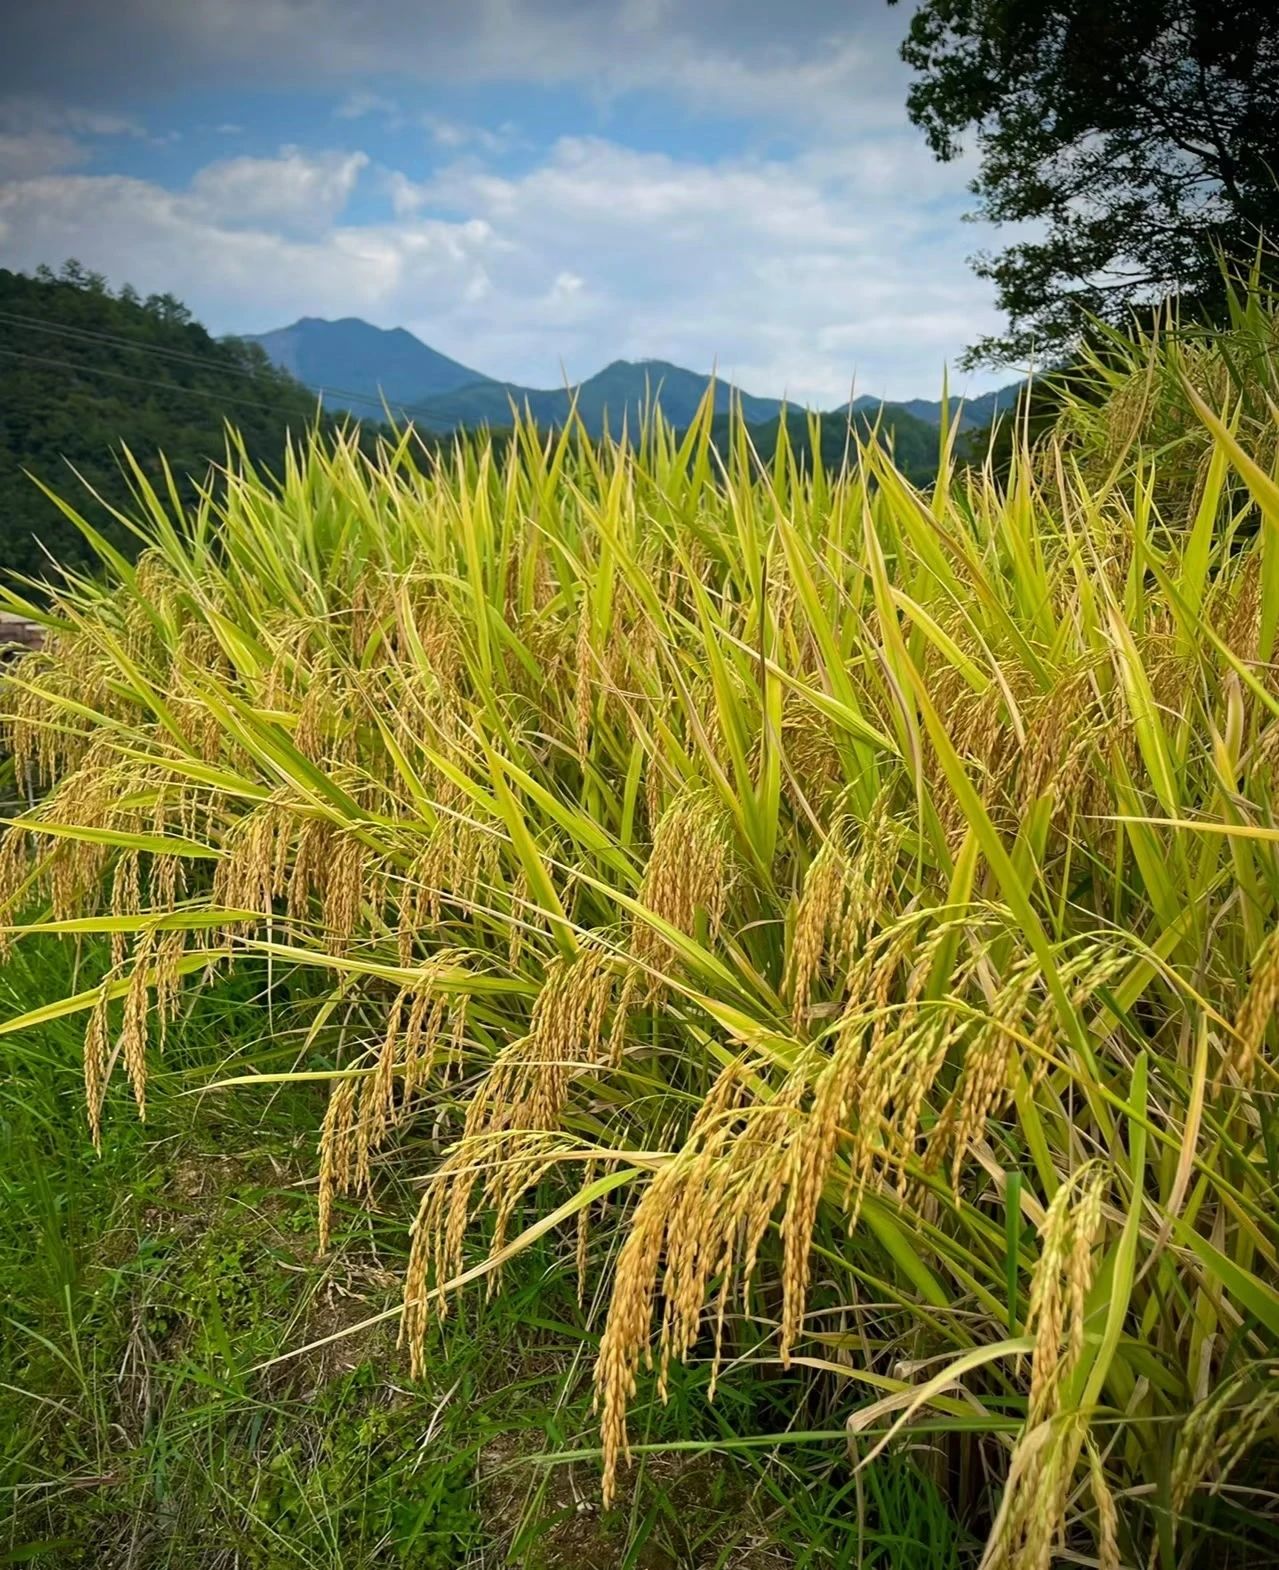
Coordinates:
535	187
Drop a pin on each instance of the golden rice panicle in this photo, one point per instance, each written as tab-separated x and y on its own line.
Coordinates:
1258	1007
169	950
1242	629
819	915
517	934
1061	1280
166	882
629	1324
97	1048
813	769
88	798
459	863
507	1163
683	1215
32	722
810	1158
1041	1471
126	899
1107	1514
310	867
838	1093
407	1056
1036	1497
344	890
133	1039
511	1133
251	874
527	1086
377	1094
1057	725
985	1077
315	721
428	1014
337	1152
15	875
690	871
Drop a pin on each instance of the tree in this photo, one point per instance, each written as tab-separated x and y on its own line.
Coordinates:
1139	137
88	371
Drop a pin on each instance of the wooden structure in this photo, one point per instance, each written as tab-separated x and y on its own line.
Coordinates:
17	634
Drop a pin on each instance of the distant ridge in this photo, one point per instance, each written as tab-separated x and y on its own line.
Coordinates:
618	394
365	369
357	366
974	413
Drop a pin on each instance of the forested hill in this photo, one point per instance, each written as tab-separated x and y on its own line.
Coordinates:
912	442
83	371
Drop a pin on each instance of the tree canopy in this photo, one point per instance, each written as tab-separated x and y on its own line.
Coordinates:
1139	138
83	371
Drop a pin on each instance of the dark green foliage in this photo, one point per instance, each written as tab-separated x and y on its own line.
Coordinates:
1141	139
972	413
83	371
913	442
1035	414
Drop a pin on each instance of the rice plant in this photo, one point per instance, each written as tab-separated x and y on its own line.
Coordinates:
845	916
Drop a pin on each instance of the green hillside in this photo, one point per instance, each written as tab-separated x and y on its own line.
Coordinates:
84	371
619	393
912	441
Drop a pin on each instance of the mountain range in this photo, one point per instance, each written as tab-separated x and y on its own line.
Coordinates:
357	366
365	370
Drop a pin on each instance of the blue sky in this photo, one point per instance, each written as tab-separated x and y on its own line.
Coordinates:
535	187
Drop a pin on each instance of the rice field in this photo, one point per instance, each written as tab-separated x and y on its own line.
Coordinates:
838	919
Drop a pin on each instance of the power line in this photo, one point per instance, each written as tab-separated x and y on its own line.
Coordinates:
158	351
143	381
136	346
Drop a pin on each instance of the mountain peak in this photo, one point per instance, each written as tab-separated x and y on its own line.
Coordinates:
360	367
363	368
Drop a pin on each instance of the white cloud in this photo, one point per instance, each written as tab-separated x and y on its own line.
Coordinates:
454	135
357	106
792	275
237	275
25	154
94	122
449	135
296	193
40	137
30	113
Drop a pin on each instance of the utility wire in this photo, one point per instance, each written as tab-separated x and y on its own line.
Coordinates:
179	356
143	381
158	351
137	345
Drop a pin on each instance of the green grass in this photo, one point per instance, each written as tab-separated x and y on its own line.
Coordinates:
147	1284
